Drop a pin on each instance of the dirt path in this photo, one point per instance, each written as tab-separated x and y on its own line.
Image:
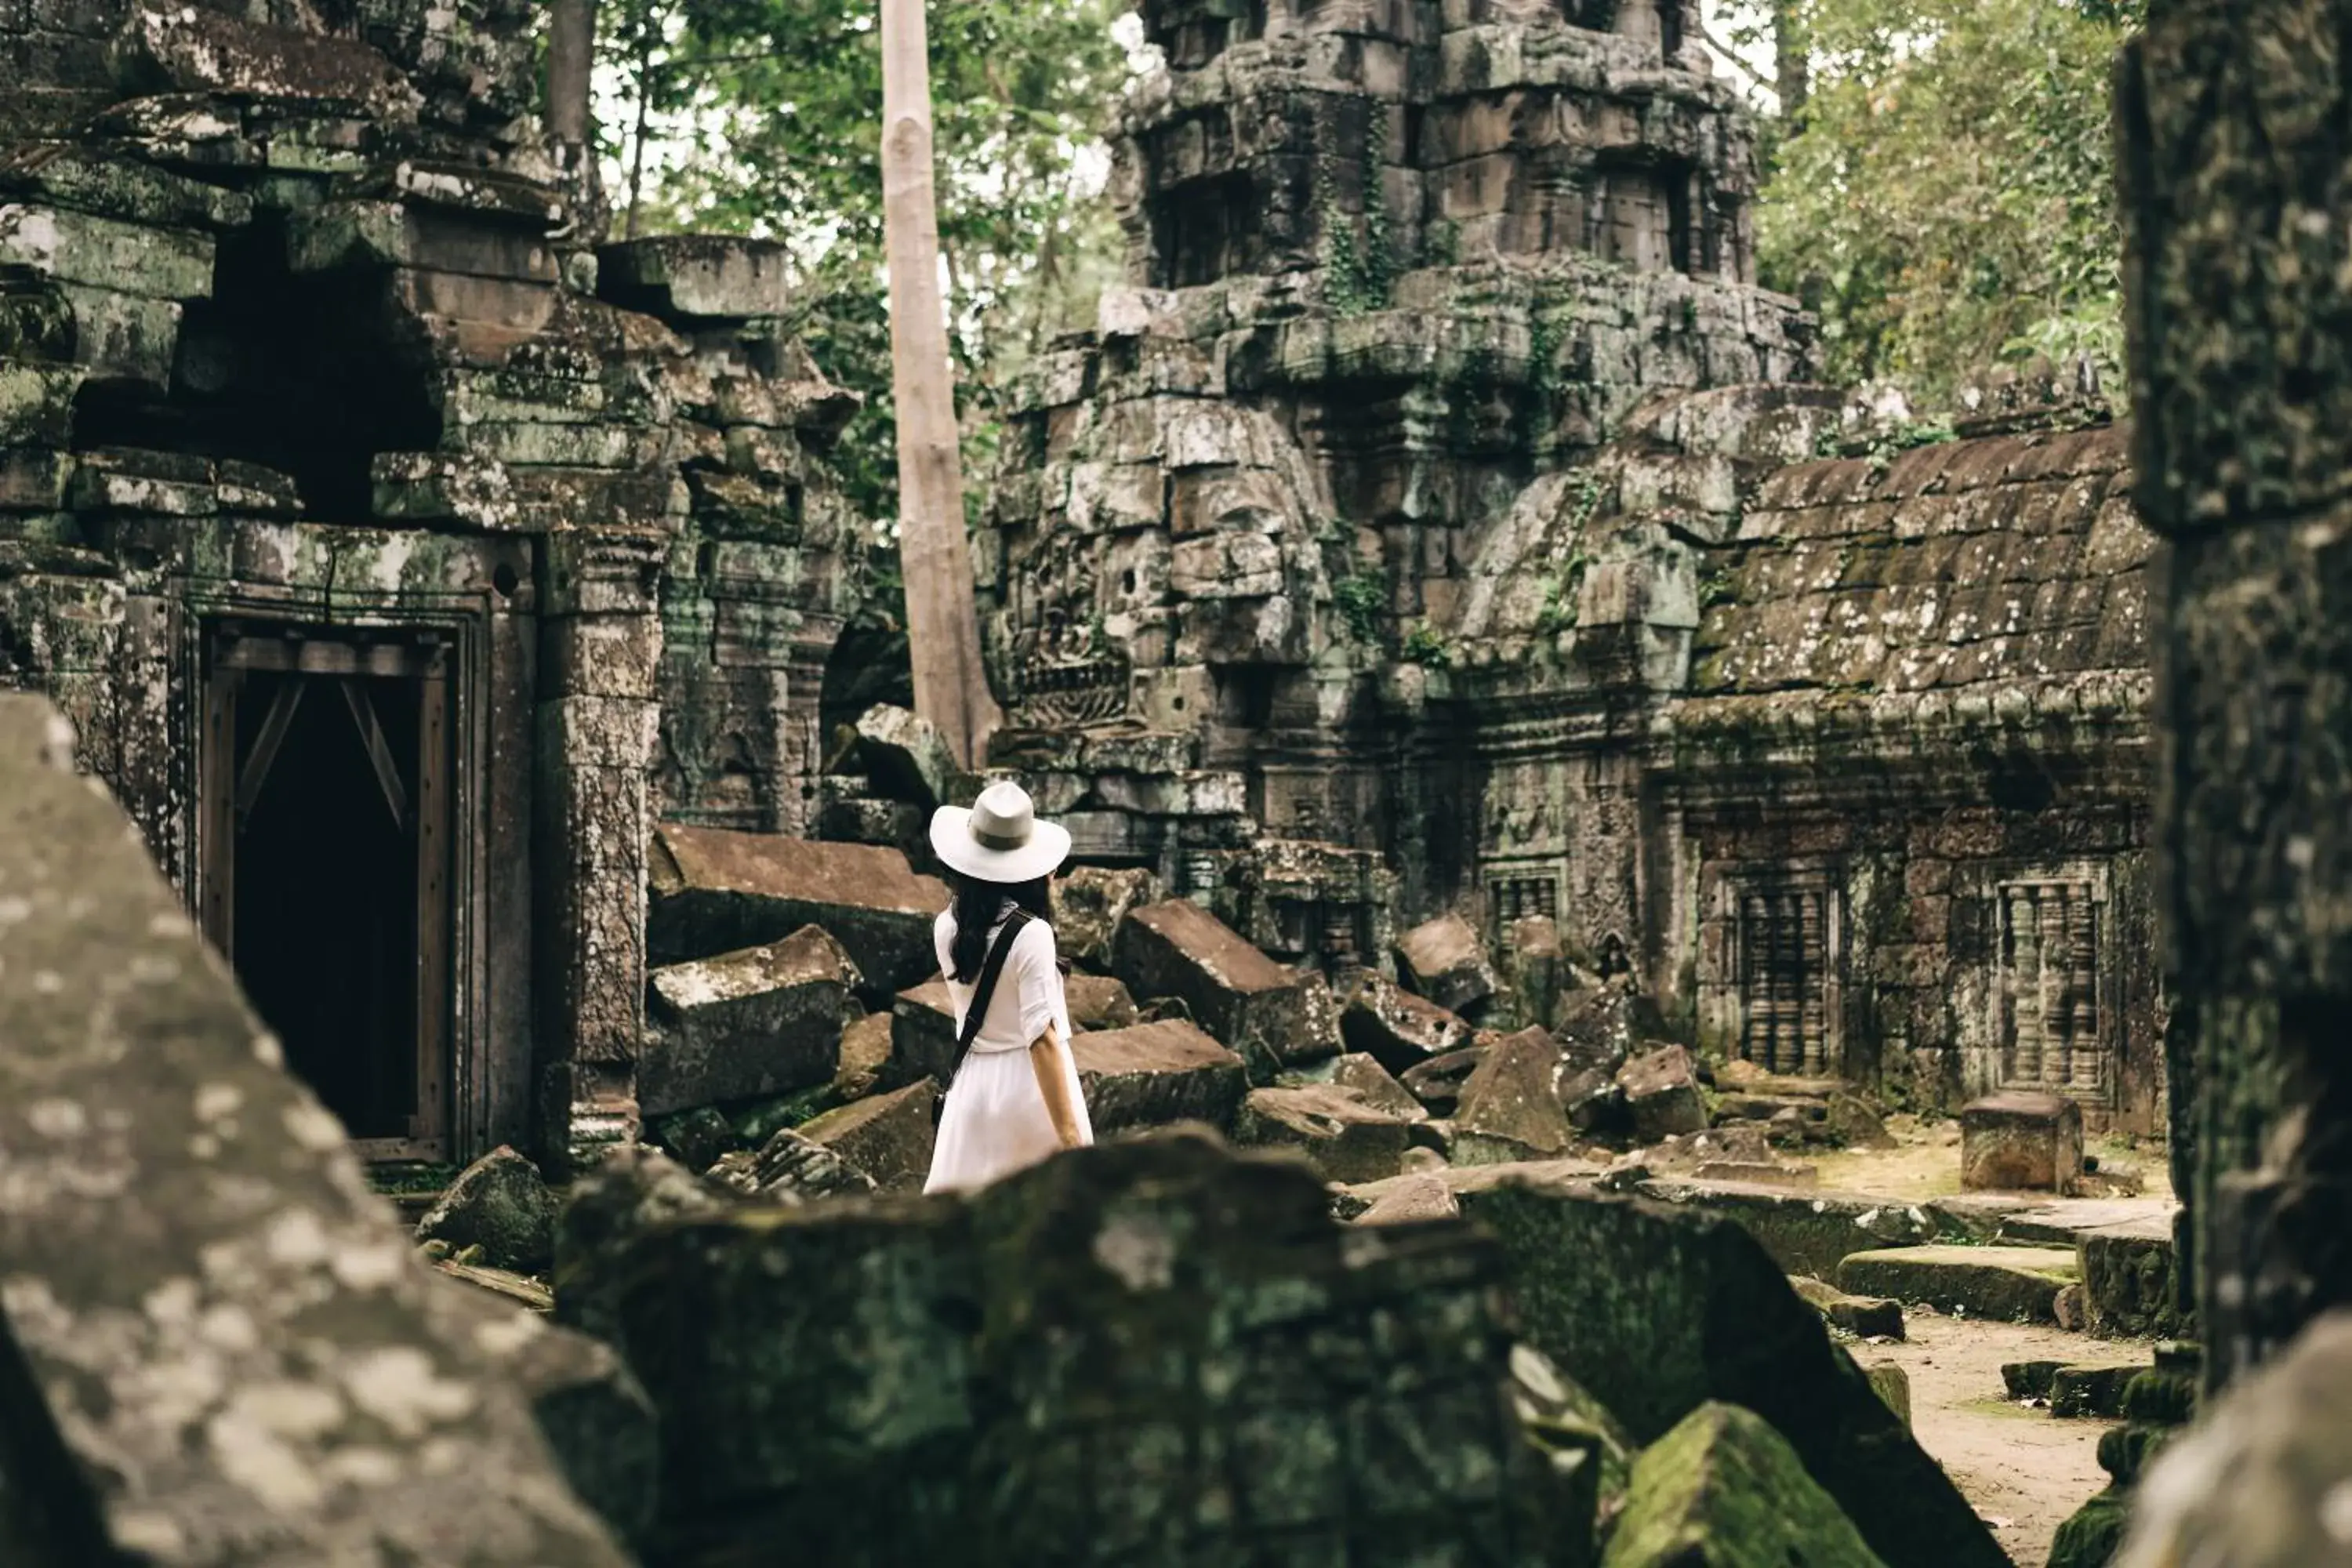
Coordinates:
2024	1471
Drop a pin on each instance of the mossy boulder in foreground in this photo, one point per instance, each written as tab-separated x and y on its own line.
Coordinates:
1723	1489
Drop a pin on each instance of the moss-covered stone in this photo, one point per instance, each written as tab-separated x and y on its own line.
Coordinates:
2013	1284
2090	1537
1723	1489
502	1204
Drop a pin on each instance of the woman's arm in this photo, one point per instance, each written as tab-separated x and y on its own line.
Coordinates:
1045	1061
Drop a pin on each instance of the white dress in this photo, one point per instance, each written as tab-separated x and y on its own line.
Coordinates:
995	1122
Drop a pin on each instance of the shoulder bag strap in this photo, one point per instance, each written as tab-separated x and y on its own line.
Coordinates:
985	991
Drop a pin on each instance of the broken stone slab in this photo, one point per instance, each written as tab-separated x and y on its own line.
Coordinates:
1411	1199
1596	1028
696	1139
793	1168
1088	904
906	1343
501	1204
1558	1412
763	1021
1853	1123
1870	1317
2020	1141
714	890
1658	1311
1347	1140
698	277
2079	1392
865	1048
1724	1489
1511	1107
906	759
1275	1017
1437	1082
1537	967
167	1176
1444	960
1099	1002
1662	1094
888	1137
2131	1284
1363	1077
922	1033
1398	1029
2028	1379
1595	1103
1892	1384
1156	1075
2011	1284
632	1189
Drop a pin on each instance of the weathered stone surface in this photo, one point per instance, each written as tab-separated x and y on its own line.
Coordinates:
1512	1107
1561	1414
1347	1140
149	1208
1658	1311
1596	1028
1868	1317
1090	903
908	760
793	1168
2022	1142
1723	1489
763	1021
923	1033
2255	1481
717	891
931	1350
886	1137
2014	1284
1437	1082
501	1204
2090	1391
1806	1231
2131	1285
1662	1094
1099	1002
1444	960
865	1052
1395	1027
706	276
632	1189
1363	1077
1275	1017
1537	966
1158	1074
1411	1199
1893	1384
696	1139
1853	1123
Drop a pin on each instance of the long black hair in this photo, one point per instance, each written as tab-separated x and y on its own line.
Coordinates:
977	906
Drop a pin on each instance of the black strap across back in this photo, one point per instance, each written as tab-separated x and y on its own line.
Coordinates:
985	991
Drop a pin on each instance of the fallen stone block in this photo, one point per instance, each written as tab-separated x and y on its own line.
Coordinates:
1444	960
2131	1285
1537	967
1867	1317
2020	1142
2028	1379
906	759
2012	1284
1156	1075
714	891
502	1204
888	1137
1561	1414
1511	1106
1347	1139
1411	1199
1395	1027
1596	1028
922	1033
1088	905
761	1022
793	1168
632	1189
1855	1124
1662	1094
184	1215
1099	1002
1658	1311
1723	1489
1437	1082
1595	1103
1893	1384
2077	1392
1275	1017
1761	1174
697	276
1363	1077
2093	1536
696	1139
865	1050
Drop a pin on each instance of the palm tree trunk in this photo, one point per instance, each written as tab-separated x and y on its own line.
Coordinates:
942	614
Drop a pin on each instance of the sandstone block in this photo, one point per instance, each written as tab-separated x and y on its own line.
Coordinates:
1444	960
1853	1123
1090	903
716	891
792	1168
1275	1017
888	1137
1363	1077
1437	1082
2131	1287
2077	1392
632	1189
698	275
865	1057
1723	1489
2020	1142
502	1204
1347	1139
1512	1106
1870	1317
2013	1284
922	1033
1595	1103
1099	1002
908	760
1662	1094
1893	1384
764	1021
1397	1029
1411	1199
1156	1074
1538	966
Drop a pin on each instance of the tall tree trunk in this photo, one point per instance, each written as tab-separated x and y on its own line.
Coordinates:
942	616
570	61
1792	69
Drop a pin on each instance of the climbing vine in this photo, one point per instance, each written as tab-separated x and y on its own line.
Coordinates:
1424	645
1360	599
1359	274
1586	490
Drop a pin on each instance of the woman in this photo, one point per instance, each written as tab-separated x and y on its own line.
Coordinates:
1012	1096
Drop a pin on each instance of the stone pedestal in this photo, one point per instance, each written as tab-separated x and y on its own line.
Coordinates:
2020	1142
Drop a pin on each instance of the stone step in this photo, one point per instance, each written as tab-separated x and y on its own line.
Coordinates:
2015	1284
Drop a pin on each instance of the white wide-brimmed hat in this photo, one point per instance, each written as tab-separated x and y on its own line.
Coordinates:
998	838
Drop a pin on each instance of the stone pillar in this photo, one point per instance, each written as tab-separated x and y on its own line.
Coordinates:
2237	186
600	645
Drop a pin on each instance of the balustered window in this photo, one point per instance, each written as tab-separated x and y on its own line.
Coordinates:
2049	988
1784	978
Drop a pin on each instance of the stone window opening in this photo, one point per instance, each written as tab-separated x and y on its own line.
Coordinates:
1786	983
2048	989
1523	898
1203	232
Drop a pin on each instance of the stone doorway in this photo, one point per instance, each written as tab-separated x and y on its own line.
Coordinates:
325	810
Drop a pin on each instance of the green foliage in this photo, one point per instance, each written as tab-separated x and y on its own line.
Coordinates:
1359	273
765	117
1361	599
1947	203
1424	645
1586	491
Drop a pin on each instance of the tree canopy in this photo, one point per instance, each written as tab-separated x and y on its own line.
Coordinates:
1945	197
